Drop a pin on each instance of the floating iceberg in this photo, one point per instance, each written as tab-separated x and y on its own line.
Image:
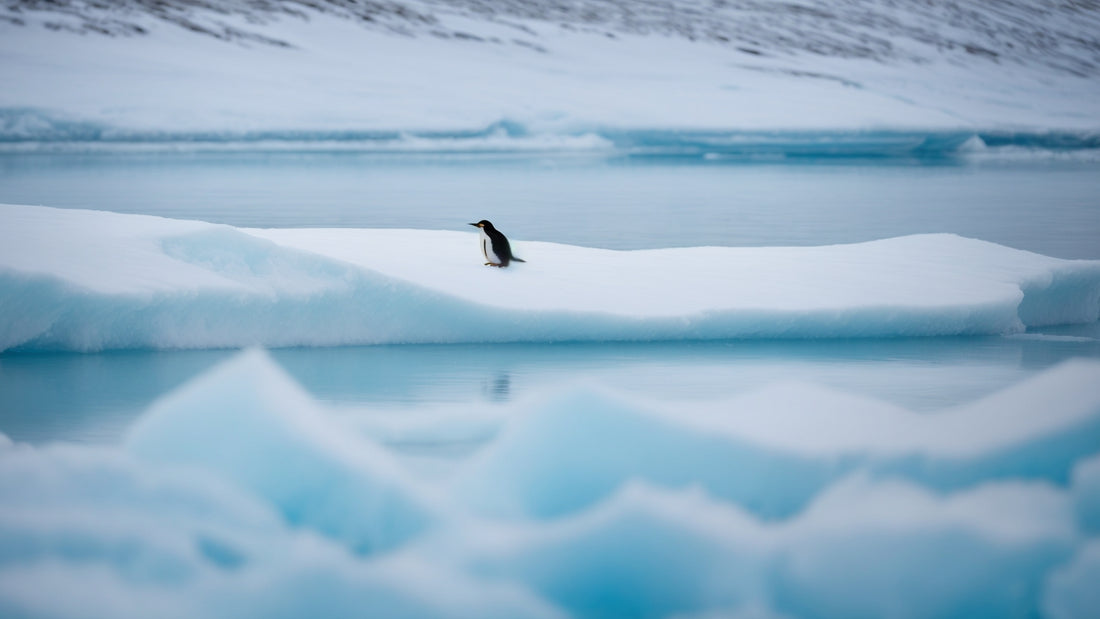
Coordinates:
88	280
238	495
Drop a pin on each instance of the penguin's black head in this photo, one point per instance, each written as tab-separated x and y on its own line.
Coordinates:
484	223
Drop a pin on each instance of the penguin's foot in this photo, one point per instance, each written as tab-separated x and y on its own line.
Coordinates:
493	264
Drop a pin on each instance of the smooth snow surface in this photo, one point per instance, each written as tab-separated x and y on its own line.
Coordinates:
239	496
87	280
550	67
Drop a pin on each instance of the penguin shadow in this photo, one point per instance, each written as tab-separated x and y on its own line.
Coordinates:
498	388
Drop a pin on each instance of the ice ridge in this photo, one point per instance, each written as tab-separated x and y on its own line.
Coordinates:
36	130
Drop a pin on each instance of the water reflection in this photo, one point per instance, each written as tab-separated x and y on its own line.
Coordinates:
95	397
499	389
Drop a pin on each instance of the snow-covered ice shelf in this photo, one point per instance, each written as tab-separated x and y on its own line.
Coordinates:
150	67
88	280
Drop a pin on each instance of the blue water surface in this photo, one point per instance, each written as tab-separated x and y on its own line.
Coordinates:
1047	202
646	191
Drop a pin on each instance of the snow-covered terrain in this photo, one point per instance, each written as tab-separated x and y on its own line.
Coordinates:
92	280
239	496
83	70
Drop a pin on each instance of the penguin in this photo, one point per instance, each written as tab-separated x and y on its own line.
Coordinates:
495	245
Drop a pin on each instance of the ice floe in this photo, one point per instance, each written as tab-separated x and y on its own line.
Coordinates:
87	281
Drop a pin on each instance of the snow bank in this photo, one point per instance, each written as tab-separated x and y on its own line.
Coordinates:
84	280
704	65
239	496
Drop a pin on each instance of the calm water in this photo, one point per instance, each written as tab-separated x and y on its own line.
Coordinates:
615	202
94	398
1051	207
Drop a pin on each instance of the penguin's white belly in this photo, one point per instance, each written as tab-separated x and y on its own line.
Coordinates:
487	249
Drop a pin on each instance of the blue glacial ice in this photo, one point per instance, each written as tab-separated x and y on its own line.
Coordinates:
1086	484
1072	590
786	456
87	281
232	421
238	495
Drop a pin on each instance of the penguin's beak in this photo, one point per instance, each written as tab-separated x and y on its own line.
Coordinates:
476	225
